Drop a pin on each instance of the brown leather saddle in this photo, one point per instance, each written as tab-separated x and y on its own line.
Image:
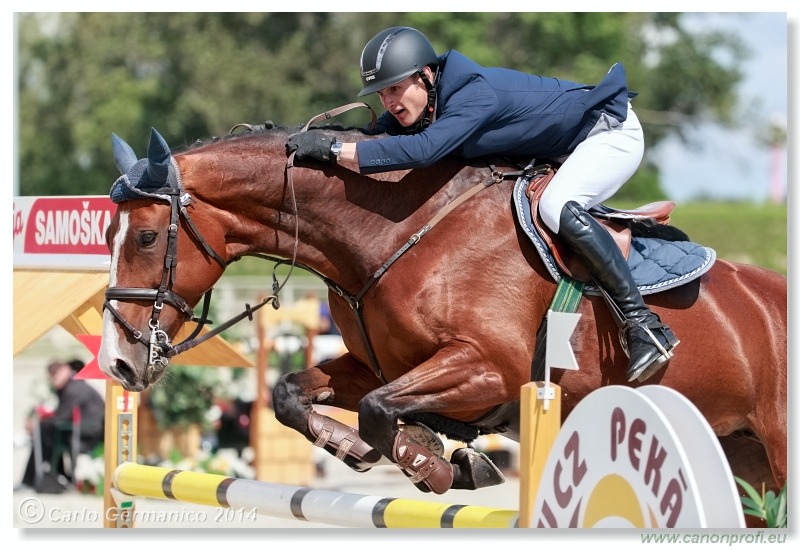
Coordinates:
616	221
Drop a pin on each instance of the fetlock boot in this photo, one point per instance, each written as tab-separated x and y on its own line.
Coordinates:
428	471
647	341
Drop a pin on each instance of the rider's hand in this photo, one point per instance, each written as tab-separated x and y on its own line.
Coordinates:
310	145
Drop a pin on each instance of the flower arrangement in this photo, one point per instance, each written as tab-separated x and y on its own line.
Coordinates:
90	472
225	462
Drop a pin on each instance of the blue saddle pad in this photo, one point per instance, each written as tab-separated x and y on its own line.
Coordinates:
656	264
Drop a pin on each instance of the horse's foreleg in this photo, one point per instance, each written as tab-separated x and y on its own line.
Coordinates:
340	383
456	379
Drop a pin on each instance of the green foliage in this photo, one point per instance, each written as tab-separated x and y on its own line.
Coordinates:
84	75
184	396
767	506
98	451
742	232
643	187
175	456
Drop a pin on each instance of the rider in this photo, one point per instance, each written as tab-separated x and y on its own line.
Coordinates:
448	104
440	105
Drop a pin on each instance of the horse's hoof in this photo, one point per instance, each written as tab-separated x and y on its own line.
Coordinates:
475	470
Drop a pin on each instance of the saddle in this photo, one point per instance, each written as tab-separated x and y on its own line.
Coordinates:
615	221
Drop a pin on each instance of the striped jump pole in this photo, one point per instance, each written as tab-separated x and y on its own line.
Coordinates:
302	503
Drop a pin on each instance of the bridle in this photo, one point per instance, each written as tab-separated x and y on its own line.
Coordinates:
160	348
159	345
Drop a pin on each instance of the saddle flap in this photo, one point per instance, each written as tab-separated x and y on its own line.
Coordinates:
567	262
571	264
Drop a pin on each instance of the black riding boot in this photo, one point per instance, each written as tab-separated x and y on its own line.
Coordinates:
648	342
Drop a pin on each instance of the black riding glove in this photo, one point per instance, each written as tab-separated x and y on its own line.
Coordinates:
310	145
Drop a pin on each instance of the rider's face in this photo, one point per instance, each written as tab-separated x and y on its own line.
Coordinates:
407	99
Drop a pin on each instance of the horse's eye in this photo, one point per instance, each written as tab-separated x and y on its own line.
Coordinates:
147	238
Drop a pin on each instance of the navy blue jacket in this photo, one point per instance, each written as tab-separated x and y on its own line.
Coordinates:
483	111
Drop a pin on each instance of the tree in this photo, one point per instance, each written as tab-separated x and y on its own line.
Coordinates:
83	76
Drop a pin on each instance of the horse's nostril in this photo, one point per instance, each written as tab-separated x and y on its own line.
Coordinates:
126	374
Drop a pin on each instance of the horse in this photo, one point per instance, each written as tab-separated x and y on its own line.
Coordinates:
439	319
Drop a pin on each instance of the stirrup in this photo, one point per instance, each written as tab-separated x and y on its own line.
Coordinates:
653	368
664	357
629	323
647	371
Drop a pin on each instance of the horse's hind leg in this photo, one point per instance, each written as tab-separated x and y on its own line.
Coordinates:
748	460
340	383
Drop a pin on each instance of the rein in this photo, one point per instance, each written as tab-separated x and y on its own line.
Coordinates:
159	345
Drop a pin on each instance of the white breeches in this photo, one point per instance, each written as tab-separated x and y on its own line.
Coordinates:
596	169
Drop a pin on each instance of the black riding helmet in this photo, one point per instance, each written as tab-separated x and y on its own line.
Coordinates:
392	55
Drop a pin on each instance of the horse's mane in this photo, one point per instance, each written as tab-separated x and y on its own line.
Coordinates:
270	129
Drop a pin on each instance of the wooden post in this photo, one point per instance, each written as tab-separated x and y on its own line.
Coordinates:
539	427
120	446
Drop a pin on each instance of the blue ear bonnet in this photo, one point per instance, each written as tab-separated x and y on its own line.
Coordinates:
156	177
137	184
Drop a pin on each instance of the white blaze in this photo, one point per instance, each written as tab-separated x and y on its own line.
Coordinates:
109	350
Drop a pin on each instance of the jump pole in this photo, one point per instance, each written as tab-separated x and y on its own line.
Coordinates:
298	503
540	422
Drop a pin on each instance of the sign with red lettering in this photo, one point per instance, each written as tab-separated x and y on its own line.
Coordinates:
63	232
618	461
718	491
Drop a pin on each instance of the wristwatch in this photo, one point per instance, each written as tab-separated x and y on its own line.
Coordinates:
336	149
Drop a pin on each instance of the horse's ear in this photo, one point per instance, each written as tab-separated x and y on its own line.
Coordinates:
124	157
158	154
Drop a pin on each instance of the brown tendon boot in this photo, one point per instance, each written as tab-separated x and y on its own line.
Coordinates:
426	470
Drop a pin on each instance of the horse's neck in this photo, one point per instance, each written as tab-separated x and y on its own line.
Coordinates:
352	224
347	224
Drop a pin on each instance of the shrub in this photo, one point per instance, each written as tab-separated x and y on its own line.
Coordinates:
767	505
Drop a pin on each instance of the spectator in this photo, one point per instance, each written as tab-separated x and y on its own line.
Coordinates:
56	428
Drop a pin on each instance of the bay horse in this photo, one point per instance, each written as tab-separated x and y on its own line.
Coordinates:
444	331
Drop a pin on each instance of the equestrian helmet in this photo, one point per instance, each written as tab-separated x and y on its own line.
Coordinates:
392	55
